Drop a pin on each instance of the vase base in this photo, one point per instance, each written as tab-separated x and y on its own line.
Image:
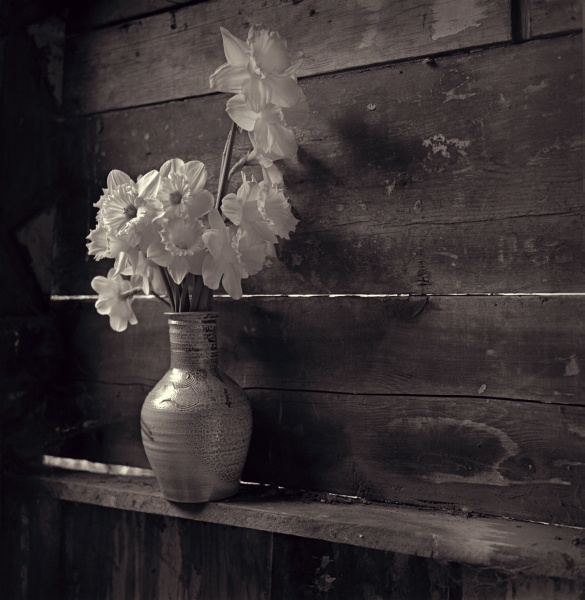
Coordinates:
201	493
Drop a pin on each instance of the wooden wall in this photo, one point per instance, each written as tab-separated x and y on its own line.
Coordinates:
442	160
420	338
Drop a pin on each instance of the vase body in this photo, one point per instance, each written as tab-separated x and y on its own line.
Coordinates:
196	422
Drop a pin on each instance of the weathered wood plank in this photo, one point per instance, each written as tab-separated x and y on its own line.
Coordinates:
439	423
488	584
553	16
468	178
170	56
525	348
30	542
316	568
530	548
487	456
97	13
151	557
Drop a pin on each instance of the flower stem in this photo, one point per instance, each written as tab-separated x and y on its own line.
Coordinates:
184	293
165	278
197	289
241	163
225	162
160	298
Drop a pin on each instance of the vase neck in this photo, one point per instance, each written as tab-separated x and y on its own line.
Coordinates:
193	339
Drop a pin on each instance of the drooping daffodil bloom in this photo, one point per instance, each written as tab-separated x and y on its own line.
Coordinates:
252	251
181	190
180	248
242	210
276	210
262	68
269	125
221	263
115	296
104	245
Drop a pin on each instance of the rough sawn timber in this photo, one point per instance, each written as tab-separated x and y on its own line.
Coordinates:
487	390
171	55
534	549
523	348
545	17
410	177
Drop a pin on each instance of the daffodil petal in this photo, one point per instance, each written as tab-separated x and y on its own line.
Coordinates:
200	204
195	262
212	271
257	93
159	255
116	178
275	139
147	185
196	174
171	166
240	113
178	269
213	239
285	90
232	281
228	79
234	48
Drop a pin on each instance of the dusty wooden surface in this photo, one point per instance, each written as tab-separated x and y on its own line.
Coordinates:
530	548
170	56
545	17
423	190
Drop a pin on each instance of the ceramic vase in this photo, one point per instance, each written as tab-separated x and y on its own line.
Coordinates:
196	422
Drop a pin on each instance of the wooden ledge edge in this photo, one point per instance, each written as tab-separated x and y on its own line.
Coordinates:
500	544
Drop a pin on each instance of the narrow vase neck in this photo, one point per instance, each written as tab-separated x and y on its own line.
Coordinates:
193	339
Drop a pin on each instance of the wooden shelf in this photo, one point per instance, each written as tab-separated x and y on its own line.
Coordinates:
522	547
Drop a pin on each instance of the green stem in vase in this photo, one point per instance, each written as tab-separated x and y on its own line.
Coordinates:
225	162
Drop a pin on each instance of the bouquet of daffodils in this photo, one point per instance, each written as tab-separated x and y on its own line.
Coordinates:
168	235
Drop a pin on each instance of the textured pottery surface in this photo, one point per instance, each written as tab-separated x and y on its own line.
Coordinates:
196	422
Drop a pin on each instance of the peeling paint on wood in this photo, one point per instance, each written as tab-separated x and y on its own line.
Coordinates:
113	67
451	19
429	180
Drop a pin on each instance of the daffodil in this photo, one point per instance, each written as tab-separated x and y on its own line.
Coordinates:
221	264
115	296
242	209
104	245
252	252
269	125
276	210
126	208
180	248
262	68
181	190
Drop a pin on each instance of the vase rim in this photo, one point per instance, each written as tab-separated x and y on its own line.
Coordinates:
192	316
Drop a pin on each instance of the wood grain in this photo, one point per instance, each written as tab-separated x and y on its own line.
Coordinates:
466	178
485	456
99	13
316	568
171	55
524	348
152	557
472	401
529	548
546	17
